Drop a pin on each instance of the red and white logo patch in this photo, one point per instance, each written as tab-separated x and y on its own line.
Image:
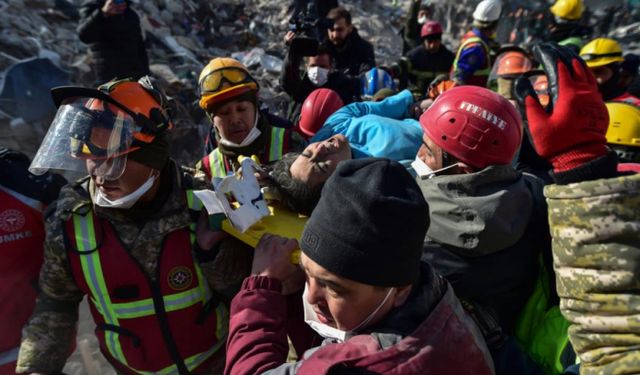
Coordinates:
11	220
180	278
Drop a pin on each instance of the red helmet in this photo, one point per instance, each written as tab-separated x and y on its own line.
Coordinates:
476	125
316	109
430	28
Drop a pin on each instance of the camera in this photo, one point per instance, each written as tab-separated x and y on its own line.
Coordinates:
308	28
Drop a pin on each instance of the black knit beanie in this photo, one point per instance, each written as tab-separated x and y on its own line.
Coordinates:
154	154
369	225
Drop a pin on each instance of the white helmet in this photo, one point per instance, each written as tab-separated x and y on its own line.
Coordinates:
488	11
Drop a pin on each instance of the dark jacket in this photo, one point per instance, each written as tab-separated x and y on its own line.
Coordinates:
411	30
115	42
299	86
419	67
426	335
487	231
354	56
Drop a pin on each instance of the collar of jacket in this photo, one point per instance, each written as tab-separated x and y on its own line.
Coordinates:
479	213
401	321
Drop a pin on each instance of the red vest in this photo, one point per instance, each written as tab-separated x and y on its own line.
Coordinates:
167	325
443	344
21	240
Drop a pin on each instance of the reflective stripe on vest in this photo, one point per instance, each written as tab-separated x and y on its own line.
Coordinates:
216	164
85	236
9	356
275	152
475	39
276	144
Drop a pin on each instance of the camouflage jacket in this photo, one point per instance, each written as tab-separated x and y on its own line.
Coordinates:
595	227
48	336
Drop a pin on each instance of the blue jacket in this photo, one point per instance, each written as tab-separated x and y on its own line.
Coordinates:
377	129
472	58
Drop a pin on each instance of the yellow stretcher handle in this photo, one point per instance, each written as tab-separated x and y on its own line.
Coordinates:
280	221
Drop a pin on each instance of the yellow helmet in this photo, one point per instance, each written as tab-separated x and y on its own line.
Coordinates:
222	79
600	52
567	9
624	124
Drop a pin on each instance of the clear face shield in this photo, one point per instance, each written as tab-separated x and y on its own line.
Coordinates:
508	65
87	135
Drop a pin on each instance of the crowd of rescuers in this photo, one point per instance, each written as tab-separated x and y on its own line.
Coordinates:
475	212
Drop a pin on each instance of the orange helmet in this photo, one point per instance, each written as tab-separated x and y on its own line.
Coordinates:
440	87
103	125
222	79
541	85
513	63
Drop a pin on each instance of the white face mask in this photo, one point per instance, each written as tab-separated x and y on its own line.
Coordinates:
253	134
317	75
424	171
128	200
328	332
422	20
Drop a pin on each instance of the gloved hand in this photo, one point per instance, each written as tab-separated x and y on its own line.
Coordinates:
572	130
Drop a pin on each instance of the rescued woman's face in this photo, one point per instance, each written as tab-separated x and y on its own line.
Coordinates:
318	161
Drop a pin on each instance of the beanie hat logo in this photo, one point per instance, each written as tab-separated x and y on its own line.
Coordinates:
310	240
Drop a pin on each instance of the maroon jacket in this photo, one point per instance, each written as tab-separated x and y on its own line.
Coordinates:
443	336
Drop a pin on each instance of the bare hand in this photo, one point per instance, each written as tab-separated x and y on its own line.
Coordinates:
110	8
289	37
207	236
272	257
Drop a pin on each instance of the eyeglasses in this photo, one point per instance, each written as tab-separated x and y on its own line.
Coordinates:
224	77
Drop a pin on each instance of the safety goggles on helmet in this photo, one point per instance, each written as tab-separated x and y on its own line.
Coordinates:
223	78
596	56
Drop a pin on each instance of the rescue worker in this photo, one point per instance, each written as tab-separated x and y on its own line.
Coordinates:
566	27
593	214
378	307
359	130
623	134
604	56
131	236
23	197
424	63
488	221
419	14
472	63
319	73
511	62
229	96
352	54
